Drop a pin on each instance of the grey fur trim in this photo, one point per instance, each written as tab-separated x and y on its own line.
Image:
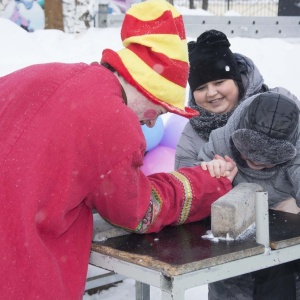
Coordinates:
262	149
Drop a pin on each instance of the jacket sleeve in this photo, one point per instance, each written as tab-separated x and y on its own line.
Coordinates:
208	150
294	175
187	148
143	204
125	197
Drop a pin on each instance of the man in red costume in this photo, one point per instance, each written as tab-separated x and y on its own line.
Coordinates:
71	141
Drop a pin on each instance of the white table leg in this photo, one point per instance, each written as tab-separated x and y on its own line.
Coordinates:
142	291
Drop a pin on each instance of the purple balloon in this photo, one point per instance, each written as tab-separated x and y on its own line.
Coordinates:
173	130
159	159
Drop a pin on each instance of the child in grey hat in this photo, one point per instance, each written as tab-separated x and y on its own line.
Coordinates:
262	136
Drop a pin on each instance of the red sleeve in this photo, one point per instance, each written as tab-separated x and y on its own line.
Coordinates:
186	195
147	204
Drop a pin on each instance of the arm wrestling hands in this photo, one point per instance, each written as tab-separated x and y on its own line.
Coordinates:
220	167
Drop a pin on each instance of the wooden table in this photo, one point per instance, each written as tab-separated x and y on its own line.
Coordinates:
178	258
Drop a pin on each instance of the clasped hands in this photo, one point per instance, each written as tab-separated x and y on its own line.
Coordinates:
220	167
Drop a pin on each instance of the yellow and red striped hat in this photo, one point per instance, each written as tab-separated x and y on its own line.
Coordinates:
155	57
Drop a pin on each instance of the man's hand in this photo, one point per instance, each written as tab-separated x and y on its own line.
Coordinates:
220	167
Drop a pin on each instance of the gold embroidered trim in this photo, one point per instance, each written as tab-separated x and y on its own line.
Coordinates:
188	196
152	212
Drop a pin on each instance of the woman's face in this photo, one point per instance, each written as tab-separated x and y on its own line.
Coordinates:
219	96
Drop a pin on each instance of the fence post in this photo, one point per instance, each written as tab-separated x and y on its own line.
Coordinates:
101	18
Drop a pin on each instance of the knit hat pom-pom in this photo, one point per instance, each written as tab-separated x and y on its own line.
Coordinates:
213	38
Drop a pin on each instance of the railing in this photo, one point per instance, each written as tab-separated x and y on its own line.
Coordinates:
251	27
262	8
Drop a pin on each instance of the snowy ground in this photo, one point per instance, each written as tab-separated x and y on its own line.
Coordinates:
126	291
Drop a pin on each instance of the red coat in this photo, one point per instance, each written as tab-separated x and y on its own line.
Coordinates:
68	144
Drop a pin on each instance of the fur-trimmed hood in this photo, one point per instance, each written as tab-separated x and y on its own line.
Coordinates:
252	79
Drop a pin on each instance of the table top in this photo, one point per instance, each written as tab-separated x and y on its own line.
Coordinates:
181	249
284	229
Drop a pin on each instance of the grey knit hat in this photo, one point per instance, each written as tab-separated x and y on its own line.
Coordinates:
269	131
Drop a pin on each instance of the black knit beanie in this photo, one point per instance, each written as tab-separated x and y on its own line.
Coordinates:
270	130
211	59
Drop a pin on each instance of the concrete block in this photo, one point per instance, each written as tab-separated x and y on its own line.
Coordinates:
234	212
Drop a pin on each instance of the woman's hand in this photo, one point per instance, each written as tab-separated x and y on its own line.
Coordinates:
220	167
